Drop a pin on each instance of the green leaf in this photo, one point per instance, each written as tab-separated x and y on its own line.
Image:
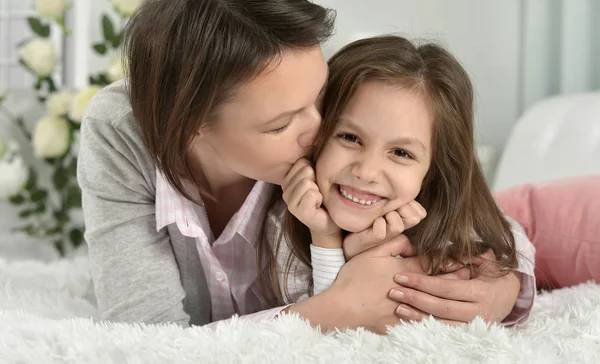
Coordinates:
73	167
26	213
76	236
94	81
100	48
54	231
38	195
58	244
60	178
23	64
61	217
2	97
43	30
73	199
116	40
108	29
40	208
99	80
32	180
29	229
50	82
103	77
16	199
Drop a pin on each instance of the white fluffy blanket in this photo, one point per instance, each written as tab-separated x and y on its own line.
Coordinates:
45	319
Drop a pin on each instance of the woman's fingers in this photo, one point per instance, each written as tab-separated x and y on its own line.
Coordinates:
447	309
450	289
408	313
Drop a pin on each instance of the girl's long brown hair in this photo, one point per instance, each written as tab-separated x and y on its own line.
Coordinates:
460	207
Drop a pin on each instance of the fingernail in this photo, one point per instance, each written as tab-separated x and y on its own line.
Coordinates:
397	295
401	279
402	311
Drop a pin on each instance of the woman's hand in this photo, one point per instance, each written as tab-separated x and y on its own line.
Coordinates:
363	284
490	295
384	228
303	199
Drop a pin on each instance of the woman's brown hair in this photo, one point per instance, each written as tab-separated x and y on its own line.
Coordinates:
186	58
460	208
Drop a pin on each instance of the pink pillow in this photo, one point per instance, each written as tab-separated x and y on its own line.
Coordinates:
562	219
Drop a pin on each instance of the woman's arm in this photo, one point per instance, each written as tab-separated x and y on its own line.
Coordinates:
135	275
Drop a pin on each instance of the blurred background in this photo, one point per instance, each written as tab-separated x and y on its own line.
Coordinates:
55	54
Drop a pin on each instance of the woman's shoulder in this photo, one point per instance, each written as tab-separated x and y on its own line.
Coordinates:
109	133
111	107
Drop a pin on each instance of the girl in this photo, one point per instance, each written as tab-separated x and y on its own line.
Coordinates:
178	167
397	127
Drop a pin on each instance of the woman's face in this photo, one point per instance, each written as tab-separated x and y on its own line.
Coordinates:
270	122
377	156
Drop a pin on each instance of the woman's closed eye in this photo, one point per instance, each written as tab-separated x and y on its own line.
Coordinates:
284	127
280	129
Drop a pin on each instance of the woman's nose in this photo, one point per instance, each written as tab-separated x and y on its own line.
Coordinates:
313	122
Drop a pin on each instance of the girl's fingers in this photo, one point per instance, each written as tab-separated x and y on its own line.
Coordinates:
299	192
301	163
395	226
411	214
306	173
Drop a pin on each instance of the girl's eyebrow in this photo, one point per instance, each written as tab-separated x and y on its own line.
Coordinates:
409	141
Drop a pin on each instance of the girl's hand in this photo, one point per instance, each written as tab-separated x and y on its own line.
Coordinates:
304	200
384	228
455	301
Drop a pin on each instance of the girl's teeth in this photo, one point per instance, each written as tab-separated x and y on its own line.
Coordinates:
354	199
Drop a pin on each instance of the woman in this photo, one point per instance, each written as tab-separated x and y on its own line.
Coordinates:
220	103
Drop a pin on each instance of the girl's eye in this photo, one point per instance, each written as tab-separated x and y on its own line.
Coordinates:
402	153
348	137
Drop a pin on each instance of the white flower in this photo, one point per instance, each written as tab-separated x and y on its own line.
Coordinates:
13	176
51	137
115	69
81	101
39	55
126	7
52	9
59	103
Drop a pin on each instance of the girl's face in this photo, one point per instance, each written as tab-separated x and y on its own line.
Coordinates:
270	122
378	155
